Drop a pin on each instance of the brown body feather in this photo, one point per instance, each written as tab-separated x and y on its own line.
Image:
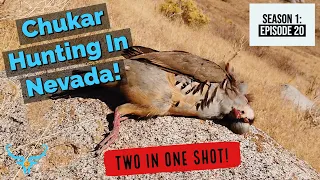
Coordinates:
180	62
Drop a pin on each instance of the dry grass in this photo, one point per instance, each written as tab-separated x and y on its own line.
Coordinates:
185	10
264	68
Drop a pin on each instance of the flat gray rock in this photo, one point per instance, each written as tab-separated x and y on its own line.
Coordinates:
292	94
73	127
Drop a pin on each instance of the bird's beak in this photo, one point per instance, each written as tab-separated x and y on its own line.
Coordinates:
246	120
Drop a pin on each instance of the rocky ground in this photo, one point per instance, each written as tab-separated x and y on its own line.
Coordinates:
73	127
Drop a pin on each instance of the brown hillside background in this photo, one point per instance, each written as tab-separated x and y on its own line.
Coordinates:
263	68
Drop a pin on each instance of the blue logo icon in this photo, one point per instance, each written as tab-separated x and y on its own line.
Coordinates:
28	163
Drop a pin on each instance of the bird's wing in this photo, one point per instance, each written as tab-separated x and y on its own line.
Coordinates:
179	62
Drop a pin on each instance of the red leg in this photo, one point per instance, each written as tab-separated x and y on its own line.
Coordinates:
113	136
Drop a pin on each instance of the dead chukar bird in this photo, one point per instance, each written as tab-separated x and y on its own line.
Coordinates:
181	84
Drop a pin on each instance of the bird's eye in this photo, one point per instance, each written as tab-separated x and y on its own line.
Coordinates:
242	112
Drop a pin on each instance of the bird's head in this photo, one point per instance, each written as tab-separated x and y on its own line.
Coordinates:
241	119
240	115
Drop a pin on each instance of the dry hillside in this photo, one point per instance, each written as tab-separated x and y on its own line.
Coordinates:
263	68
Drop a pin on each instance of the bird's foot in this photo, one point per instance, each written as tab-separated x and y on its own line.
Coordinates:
113	136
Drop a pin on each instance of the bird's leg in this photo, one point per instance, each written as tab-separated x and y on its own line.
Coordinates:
113	136
125	109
